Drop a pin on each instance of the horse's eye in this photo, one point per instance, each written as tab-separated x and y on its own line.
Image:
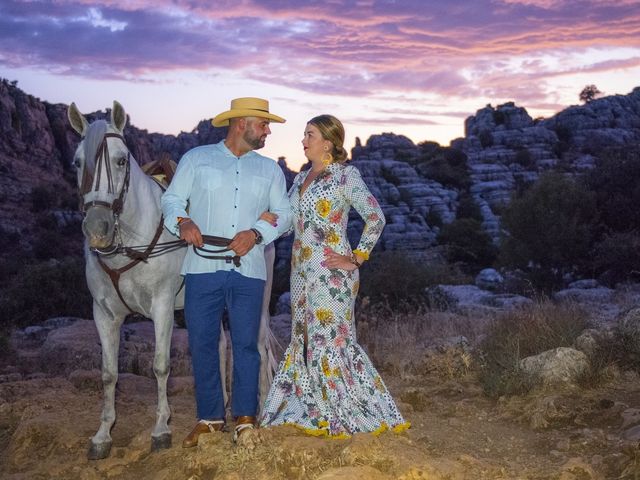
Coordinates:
76	163
122	161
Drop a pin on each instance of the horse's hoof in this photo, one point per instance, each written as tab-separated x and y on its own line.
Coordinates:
161	442
98	451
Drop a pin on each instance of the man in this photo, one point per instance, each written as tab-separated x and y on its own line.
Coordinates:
227	186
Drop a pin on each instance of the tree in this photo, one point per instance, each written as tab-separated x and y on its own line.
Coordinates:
588	93
549	229
468	243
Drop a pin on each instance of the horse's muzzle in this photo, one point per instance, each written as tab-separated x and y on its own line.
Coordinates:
98	228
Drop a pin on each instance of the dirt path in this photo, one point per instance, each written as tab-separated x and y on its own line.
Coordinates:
457	433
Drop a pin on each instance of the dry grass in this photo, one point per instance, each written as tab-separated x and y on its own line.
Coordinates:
428	341
521	333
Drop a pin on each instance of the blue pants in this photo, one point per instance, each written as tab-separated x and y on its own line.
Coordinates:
206	295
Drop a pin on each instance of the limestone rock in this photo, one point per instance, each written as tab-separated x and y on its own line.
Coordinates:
558	366
489	279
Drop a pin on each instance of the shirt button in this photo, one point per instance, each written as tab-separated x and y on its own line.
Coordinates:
233	225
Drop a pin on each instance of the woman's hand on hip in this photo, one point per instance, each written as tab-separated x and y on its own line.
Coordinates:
335	260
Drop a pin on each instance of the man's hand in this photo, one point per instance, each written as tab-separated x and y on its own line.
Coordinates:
190	233
243	242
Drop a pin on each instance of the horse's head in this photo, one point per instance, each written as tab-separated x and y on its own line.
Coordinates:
103	163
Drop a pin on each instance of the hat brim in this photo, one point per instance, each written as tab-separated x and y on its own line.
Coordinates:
222	120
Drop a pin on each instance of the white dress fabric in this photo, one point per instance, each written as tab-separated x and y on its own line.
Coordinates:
326	383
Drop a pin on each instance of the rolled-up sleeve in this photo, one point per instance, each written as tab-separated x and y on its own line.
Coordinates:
174	201
278	204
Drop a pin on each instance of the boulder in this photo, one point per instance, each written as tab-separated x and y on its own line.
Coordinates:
489	279
558	366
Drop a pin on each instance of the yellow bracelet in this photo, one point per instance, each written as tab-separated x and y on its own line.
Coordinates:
364	255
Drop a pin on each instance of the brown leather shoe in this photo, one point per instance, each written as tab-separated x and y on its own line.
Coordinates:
203	426
243	424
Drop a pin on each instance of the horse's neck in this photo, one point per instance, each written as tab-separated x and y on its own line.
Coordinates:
141	212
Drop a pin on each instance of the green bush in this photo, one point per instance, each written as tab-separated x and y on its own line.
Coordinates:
45	290
466	242
616	257
445	165
522	333
616	181
524	158
399	278
468	208
549	229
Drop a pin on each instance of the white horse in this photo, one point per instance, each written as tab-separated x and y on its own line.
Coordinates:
122	206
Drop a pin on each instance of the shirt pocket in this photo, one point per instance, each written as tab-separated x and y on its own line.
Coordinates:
210	178
260	186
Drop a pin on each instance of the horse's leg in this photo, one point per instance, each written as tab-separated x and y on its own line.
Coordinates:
267	358
163	326
109	331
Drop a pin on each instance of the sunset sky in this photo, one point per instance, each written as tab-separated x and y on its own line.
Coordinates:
415	67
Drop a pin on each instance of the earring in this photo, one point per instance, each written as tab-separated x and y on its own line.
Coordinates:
327	159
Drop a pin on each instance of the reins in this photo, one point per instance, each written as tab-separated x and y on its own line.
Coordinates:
158	249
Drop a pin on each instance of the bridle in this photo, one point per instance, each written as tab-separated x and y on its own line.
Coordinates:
138	253
116	206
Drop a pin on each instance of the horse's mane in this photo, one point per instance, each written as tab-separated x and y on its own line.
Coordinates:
92	140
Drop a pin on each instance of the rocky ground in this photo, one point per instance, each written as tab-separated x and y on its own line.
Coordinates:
47	419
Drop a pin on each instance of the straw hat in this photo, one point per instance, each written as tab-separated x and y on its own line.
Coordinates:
246	107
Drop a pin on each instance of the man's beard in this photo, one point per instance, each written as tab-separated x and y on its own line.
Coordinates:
254	142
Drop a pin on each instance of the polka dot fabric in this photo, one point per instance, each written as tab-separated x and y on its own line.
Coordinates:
326	383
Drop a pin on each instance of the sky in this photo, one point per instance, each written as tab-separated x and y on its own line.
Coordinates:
417	67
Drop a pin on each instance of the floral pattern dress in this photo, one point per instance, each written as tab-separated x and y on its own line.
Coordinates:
326	383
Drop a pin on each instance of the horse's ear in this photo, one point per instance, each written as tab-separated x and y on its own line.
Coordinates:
76	119
118	116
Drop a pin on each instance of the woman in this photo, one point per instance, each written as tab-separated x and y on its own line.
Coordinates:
326	383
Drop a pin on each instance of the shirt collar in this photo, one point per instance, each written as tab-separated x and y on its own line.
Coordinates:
228	152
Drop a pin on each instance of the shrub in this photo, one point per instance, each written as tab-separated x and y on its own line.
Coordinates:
498	117
467	243
399	278
524	158
564	133
445	165
41	291
616	181
617	257
433	219
468	208
549	229
522	333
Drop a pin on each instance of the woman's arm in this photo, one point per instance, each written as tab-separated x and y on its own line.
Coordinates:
367	206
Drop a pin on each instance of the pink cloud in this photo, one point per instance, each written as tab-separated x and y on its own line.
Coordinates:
342	48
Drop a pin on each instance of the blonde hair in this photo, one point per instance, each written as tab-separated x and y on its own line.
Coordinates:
331	129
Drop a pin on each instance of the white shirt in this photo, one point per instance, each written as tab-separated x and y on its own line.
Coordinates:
226	194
